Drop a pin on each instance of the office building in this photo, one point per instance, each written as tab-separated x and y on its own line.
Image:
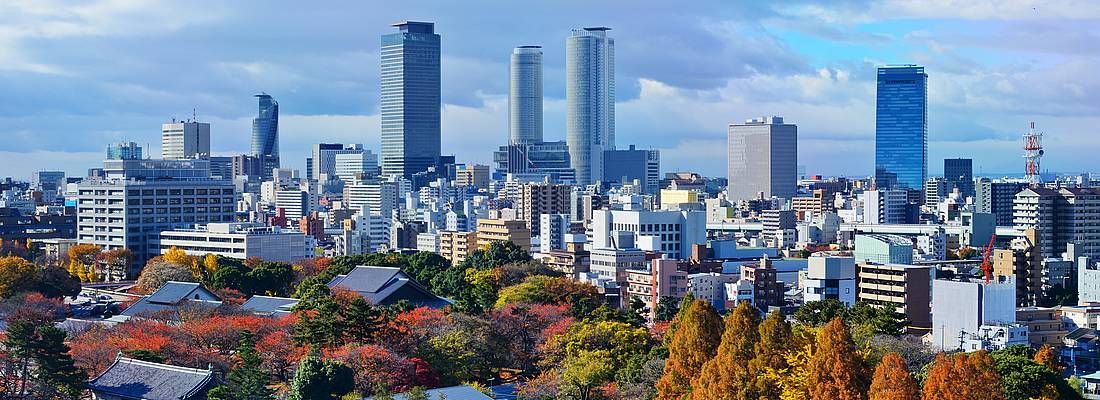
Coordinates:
589	100
554	232
475	175
615	263
355	166
668	232
884	249
295	203
249	166
935	190
629	165
542	198
137	198
265	135
907	289
48	180
830	278
123	151
456	245
958	173
525	95
537	161
762	279
322	160
763	159
19	227
901	128
238	240
184	139
961	308
1061	217
410	99
996	198
500	230
378	196
885	206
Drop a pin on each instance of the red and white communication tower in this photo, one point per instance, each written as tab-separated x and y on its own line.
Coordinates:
1033	151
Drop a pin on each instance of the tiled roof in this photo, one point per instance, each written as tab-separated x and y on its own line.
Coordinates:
377	284
267	305
128	378
450	393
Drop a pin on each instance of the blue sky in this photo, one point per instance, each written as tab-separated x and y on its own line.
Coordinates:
75	76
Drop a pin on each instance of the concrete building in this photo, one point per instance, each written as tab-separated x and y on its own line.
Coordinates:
48	181
239	241
767	291
763	159
500	230
884	249
456	246
711	287
542	198
669	232
777	225
1023	262
830	278
589	101
817	204
378	196
996	198
1061	216
905	288
356	166
1044	325
958	173
884	206
536	162
322	160
625	166
294	203
613	263
123	151
554	232
476	175
572	260
184	139
137	198
960	308
649	283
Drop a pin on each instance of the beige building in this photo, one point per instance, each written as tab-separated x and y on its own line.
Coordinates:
1044	325
475	175
816	204
1023	261
501	230
455	246
906	288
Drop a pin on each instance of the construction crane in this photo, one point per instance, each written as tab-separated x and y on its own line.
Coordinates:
986	267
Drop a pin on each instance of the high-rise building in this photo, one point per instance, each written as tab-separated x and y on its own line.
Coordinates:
958	173
185	139
410	99
884	206
322	160
475	175
901	128
631	164
123	151
265	135
525	95
48	180
359	166
763	159
542	198
996	198
1061	216
547	159
590	100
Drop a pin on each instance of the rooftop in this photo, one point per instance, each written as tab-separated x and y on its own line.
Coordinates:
128	378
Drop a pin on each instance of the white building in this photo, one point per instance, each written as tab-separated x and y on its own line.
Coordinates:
238	240
428	242
830	278
351	165
763	159
884	206
380	197
181	140
295	203
961	308
553	231
711	287
668	232
613	263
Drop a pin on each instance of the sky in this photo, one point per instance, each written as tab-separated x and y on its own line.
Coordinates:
75	76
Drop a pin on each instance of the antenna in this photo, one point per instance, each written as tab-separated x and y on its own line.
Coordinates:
1033	152
194	115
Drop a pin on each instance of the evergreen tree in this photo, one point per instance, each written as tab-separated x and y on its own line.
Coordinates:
836	371
320	380
727	375
694	342
892	380
247	380
55	372
19	346
770	354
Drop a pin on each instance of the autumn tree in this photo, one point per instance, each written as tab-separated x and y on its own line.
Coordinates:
158	272
115	264
836	370
695	341
962	377
1047	357
38	362
1025	377
82	261
16	276
727	375
247	381
770	354
892	380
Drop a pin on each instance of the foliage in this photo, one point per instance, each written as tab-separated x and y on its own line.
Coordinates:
892	380
836	370
1047	357
541	289
247	381
793	380
727	375
861	316
82	262
266	278
1025	378
116	263
334	320
520	330
158	272
617	345
378	370
769	354
38	361
695	340
667	307
963	376
318	379
16	275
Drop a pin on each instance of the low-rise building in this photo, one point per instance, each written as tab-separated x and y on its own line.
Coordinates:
960	308
830	278
456	246
1044	325
238	240
905	288
502	230
762	277
660	278
711	287
128	378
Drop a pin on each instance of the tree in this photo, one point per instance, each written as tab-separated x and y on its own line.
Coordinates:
82	261
694	341
55	282
892	380
55	372
116	264
320	380
817	313
836	370
159	272
1047	357
247	381
962	377
1021	377
542	289
586	370
667	307
769	354
727	375
332	320
16	276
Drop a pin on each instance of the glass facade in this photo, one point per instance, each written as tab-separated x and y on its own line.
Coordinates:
958	173
590	100
525	95
901	128
265	134
410	104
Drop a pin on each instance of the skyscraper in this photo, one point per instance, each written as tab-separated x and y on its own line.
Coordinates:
763	158
410	99
901	128
184	139
590	100
265	135
525	95
958	173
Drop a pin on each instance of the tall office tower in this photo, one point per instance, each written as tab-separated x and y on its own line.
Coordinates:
356	167
525	95
589	100
123	151
184	139
265	135
901	129
410	99
958	173
323	158
628	165
763	158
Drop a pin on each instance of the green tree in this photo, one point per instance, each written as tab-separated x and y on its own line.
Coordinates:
247	380
55	373
818	313
1023	378
695	339
320	380
586	370
727	375
326	320
667	307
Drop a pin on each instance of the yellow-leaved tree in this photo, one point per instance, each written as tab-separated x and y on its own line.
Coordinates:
82	262
693	343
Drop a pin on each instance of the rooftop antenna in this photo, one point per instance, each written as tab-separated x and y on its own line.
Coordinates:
1033	152
194	115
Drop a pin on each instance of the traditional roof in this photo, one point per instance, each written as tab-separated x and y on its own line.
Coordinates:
453	392
1082	334
269	306
386	285
128	378
167	301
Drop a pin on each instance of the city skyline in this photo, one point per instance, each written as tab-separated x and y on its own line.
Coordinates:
800	61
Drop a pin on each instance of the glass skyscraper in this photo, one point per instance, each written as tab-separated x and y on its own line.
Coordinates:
590	100
901	128
410	99
265	135
525	95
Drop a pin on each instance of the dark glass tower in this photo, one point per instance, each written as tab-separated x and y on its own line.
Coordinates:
901	128
265	135
959	173
410	99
